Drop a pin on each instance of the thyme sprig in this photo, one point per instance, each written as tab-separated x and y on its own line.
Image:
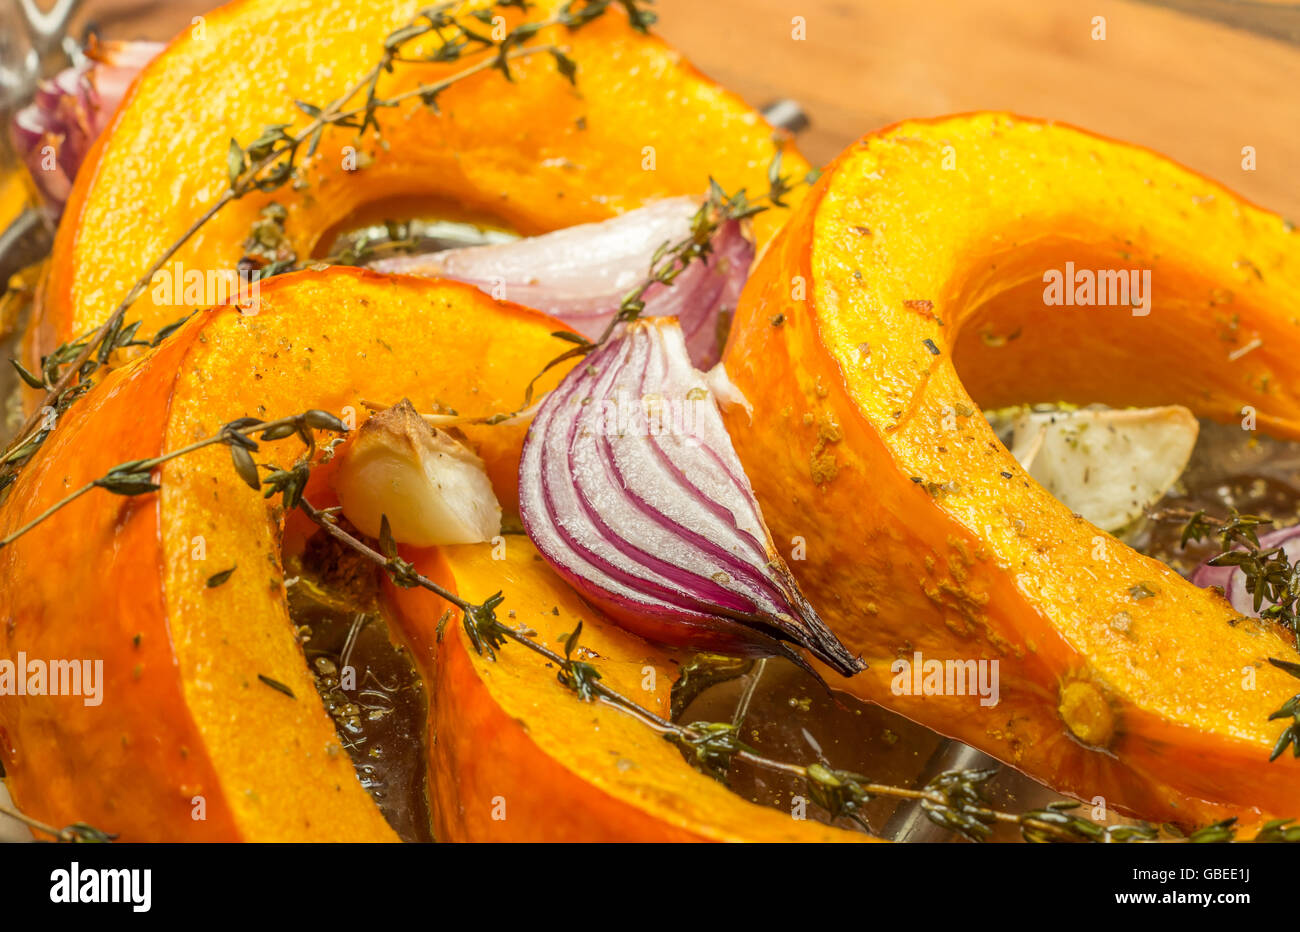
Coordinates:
136	477
401	571
577	675
76	833
272	160
1290	709
955	800
1269	574
711	746
671	259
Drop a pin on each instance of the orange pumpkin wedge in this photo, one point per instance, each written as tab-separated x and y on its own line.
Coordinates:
516	756
906	292
184	716
534	155
188	741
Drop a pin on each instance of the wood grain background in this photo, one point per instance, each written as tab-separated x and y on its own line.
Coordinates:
1191	88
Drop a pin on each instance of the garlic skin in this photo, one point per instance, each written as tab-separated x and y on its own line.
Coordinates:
433	489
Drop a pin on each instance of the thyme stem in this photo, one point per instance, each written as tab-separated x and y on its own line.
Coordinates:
130	476
747	696
331	527
61	503
77	832
697	734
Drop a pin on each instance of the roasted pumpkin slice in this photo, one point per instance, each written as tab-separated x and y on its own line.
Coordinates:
517	756
534	155
185	718
913	286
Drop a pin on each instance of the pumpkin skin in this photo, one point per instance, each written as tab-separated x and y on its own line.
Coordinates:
922	532
535	155
516	756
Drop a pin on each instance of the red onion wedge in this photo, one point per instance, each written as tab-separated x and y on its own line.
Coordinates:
1233	581
581	274
54	132
630	488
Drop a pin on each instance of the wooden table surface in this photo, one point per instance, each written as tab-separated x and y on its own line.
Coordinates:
1190	88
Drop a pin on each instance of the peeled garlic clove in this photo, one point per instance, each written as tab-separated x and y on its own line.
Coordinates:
433	488
1107	465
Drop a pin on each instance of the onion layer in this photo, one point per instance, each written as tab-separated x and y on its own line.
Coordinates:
630	488
70	110
581	274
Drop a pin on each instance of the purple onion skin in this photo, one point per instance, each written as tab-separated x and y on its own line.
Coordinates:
54	134
624	515
1233	581
1206	576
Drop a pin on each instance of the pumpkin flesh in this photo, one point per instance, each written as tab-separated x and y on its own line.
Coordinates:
185	714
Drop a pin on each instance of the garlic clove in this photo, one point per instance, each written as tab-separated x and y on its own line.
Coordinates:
433	489
1107	465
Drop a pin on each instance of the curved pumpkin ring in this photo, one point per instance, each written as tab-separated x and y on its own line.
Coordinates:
183	714
518	758
906	292
535	155
184	718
